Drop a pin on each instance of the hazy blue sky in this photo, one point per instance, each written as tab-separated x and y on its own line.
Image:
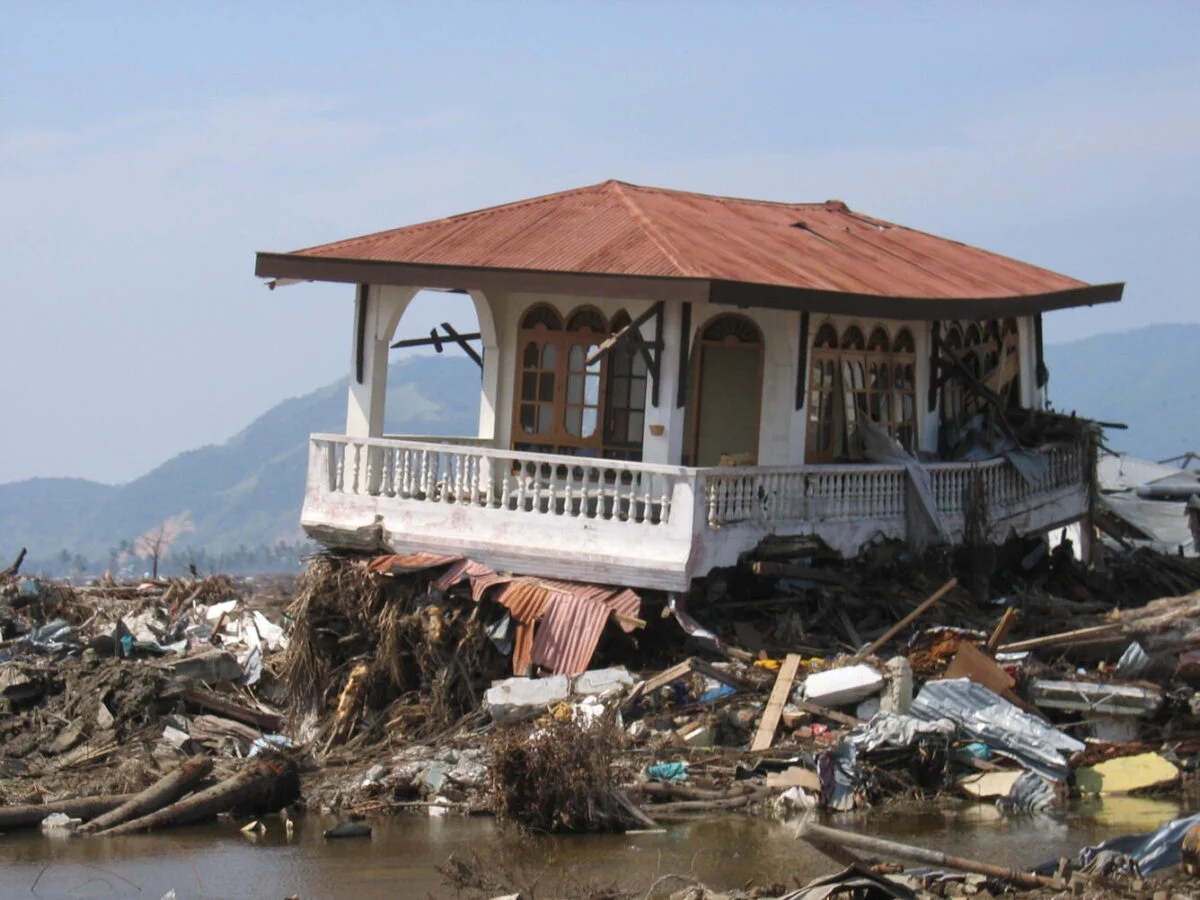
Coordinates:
148	149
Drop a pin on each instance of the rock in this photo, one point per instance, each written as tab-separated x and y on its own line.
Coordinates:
600	681
515	699
349	830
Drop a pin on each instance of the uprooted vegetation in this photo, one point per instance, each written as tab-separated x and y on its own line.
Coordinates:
558	776
382	651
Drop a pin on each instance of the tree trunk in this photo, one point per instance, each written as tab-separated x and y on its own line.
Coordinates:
13	817
253	784
166	790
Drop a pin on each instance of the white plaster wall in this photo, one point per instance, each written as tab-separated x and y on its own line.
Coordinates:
1032	397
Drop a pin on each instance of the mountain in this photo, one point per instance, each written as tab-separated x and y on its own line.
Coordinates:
1145	379
245	492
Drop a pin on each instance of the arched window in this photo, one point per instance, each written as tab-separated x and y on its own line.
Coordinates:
822	395
625	402
731	328
540	327
852	376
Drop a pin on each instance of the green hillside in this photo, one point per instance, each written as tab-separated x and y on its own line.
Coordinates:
245	492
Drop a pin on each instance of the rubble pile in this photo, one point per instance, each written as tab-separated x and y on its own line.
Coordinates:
104	688
796	681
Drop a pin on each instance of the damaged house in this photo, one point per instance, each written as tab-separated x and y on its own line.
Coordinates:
669	377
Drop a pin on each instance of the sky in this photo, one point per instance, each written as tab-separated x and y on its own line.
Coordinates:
147	150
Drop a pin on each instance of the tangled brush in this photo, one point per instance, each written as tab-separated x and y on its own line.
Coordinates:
558	777
403	644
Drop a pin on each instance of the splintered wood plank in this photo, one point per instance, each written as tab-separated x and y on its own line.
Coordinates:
779	697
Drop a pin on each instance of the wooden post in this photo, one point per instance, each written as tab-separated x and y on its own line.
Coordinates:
906	621
1002	628
883	847
779	696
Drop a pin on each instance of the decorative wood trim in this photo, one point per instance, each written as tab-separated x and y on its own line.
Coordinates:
802	361
360	331
685	349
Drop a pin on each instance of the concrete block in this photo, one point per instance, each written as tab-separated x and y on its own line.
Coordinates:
515	699
599	681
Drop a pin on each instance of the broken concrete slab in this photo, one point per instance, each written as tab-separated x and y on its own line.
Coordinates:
600	681
515	699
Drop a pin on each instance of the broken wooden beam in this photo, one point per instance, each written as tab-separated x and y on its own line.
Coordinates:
906	621
822	712
1113	632
771	569
239	712
775	703
881	847
1002	628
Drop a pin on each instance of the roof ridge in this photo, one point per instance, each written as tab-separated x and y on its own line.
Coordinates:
725	198
644	222
474	213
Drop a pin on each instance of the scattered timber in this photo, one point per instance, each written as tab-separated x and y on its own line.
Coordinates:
765	735
882	847
1066	638
165	791
906	621
14	817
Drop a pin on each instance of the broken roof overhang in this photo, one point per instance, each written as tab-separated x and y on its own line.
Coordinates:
303	267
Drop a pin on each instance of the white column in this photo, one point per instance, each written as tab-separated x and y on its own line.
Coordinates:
381	309
662	437
798	431
489	396
928	420
1032	397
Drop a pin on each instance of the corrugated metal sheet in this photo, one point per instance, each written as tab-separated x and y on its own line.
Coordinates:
624	229
568	633
557	623
410	562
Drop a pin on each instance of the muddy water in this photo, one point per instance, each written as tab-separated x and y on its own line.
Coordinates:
399	860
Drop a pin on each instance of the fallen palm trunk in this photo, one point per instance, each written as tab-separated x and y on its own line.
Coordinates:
166	790
672	792
13	817
882	847
251	786
695	806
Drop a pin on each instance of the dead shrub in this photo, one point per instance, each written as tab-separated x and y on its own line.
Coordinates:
558	776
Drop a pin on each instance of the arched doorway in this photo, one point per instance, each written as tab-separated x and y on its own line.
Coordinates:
727	403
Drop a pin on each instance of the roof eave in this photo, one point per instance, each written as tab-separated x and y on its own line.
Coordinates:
731	293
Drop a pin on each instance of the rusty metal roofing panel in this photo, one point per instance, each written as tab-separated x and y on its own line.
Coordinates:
462	568
410	562
616	228
568	634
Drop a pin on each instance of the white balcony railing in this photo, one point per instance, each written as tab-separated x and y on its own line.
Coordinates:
484	477
643	524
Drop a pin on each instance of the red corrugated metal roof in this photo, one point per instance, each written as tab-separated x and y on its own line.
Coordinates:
623	229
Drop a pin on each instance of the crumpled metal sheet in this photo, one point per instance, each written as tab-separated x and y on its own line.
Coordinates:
895	730
1010	731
